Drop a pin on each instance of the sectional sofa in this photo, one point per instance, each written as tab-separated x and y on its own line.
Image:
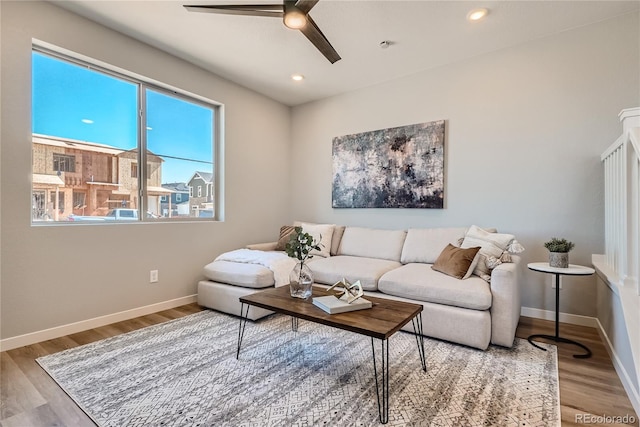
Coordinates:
397	264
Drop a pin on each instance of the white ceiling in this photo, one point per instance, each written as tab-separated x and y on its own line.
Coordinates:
261	54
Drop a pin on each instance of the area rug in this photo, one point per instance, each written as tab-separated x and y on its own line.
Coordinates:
184	373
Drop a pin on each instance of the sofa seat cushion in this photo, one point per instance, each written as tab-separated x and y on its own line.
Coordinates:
239	274
420	282
368	270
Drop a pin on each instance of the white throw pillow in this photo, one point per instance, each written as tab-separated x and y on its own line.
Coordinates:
321	233
491	244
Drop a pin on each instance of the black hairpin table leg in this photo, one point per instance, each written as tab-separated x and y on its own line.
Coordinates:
382	384
243	323
417	329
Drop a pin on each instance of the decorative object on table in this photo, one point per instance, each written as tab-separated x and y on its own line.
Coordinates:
559	252
299	247
400	167
346	297
351	291
332	304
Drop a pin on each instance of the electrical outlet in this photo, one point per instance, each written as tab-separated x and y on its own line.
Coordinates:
153	276
553	282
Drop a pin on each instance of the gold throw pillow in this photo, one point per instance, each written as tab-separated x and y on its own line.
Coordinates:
456	262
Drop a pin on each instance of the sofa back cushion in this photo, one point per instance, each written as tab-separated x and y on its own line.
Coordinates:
321	233
424	245
372	243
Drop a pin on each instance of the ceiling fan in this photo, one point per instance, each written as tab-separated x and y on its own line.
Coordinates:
294	14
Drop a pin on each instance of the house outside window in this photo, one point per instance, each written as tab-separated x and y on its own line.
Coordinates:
101	154
199	180
190	191
178	197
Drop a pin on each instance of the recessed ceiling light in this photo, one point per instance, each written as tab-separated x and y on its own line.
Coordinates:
87	121
297	77
477	14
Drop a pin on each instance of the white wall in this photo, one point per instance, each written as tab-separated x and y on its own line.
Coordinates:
57	275
525	130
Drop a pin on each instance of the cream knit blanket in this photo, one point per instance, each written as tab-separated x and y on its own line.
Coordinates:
278	262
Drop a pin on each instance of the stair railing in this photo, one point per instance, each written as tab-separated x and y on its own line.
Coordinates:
622	201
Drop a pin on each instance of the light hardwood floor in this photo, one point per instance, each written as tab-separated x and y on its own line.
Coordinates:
30	398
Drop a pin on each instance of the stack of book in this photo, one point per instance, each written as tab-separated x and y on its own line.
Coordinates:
333	305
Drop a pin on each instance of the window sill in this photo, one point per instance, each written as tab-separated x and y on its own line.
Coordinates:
608	276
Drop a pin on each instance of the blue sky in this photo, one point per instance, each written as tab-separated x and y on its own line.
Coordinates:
73	102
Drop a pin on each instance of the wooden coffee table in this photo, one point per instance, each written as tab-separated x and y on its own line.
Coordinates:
385	318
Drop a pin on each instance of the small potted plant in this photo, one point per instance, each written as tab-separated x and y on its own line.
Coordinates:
559	252
299	247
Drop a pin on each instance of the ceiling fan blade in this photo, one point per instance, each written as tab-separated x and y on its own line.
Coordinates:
315	36
272	10
306	5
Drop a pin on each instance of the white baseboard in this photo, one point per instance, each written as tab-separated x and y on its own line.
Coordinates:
634	397
96	322
572	319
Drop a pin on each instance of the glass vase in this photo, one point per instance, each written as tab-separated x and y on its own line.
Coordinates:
300	281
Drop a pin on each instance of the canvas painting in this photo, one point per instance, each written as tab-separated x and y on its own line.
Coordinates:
400	167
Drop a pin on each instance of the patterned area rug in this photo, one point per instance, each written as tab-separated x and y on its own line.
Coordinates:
184	373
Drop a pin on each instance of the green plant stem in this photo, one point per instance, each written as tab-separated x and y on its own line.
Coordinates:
300	272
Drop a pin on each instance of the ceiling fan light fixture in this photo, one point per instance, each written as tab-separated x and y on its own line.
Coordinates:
293	13
477	14
294	19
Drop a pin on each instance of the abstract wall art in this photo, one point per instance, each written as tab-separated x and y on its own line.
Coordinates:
400	167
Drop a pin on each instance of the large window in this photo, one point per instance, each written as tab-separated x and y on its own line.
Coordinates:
93	131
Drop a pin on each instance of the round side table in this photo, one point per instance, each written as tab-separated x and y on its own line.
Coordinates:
572	270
